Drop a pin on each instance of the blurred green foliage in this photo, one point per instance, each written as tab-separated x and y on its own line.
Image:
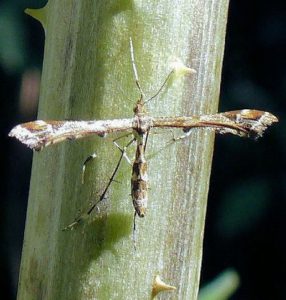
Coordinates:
12	37
242	206
14	42
221	288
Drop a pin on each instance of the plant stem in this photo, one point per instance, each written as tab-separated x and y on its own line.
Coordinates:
87	74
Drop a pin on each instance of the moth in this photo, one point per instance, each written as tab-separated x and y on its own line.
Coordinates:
40	134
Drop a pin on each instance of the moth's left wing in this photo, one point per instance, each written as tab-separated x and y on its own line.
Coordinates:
39	134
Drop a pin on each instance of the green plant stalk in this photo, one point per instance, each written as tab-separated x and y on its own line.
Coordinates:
87	74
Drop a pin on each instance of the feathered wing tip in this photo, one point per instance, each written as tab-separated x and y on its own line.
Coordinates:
32	134
250	122
39	134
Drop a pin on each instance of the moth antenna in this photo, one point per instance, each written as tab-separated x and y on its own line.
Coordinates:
161	88
135	69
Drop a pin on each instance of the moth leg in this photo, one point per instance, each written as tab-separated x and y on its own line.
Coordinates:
169	143
88	159
134	230
103	195
183	136
93	156
118	146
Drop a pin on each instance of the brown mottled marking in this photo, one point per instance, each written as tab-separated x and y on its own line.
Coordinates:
139	179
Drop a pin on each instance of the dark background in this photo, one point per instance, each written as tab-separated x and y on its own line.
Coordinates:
246	213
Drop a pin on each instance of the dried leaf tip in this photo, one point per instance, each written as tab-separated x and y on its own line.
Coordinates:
160	286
